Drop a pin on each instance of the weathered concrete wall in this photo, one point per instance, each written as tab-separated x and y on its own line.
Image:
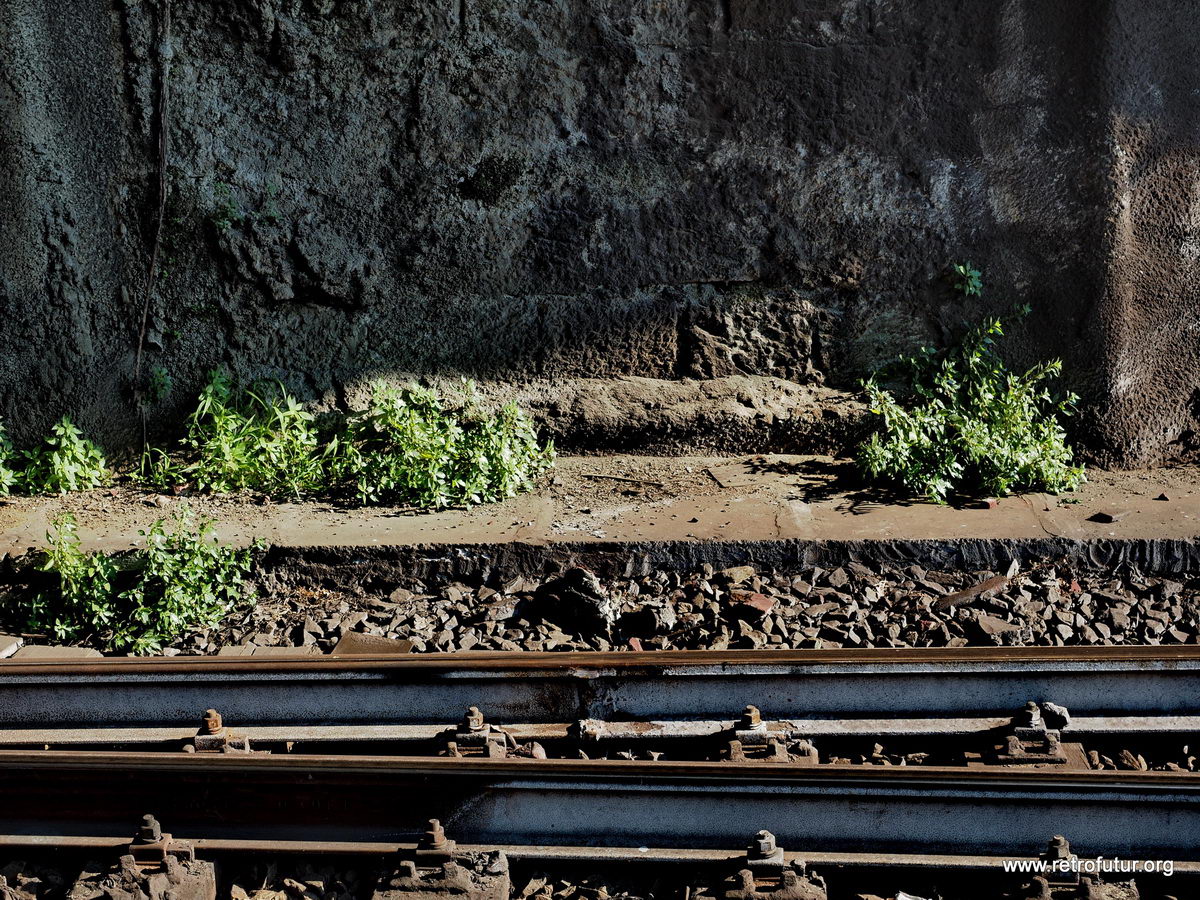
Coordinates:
535	193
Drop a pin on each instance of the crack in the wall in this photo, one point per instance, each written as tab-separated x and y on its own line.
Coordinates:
163	125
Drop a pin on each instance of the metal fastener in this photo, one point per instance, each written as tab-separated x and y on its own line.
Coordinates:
1057	848
763	845
435	836
751	718
474	720
150	831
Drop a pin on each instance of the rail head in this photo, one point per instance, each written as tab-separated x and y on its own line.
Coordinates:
1182	656
550	771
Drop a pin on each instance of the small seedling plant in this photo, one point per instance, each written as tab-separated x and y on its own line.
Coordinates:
968	280
968	424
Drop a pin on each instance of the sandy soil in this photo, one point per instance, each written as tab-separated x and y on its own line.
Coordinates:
642	498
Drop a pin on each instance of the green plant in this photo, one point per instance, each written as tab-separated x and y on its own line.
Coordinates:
226	209
83	603
968	279
408	446
186	579
183	579
157	469
971	425
8	476
412	446
160	384
269	212
261	439
67	461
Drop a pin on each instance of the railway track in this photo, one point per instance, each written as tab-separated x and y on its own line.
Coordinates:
965	752
547	687
438	866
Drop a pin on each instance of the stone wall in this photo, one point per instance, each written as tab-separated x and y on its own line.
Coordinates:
751	201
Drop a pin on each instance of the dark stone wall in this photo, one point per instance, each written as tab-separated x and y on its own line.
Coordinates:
535	193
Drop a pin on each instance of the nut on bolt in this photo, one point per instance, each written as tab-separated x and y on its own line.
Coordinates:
764	844
751	718
764	851
435	844
474	719
212	721
435	836
1057	848
150	831
1029	717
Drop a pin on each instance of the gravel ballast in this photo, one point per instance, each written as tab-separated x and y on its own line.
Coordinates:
734	608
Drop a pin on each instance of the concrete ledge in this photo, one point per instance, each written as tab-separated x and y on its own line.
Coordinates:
41	651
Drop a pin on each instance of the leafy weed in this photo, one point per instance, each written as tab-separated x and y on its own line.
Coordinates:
970	425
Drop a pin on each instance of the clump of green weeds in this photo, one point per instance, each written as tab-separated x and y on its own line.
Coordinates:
159	385
409	446
66	461
258	439
412	446
83	603
971	425
159	469
135	603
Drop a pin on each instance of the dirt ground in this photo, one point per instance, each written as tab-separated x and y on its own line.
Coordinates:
644	498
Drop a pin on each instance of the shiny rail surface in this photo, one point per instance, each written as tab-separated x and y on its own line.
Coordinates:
605	803
559	687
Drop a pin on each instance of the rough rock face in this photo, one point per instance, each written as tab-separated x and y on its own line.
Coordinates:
579	189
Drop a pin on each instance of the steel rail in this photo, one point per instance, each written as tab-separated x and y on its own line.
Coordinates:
539	688
487	659
536	853
609	803
599	730
701	770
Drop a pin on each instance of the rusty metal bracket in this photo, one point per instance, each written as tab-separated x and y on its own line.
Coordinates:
755	740
214	736
438	869
474	737
154	866
151	845
765	874
1031	742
